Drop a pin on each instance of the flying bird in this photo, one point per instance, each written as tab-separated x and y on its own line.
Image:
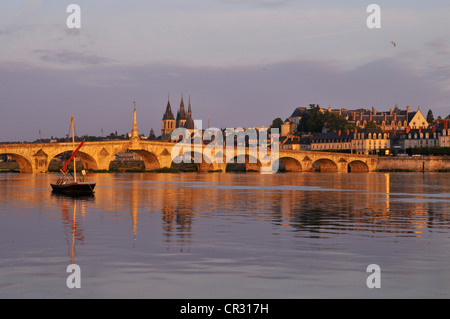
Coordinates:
394	44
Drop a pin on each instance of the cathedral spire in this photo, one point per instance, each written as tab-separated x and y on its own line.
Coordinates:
189	108
168	115
168	122
182	111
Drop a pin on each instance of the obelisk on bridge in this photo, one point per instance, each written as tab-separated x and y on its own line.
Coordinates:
134	133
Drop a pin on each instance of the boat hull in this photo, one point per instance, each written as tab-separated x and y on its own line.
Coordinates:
74	188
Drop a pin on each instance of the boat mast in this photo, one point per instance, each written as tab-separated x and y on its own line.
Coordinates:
74	159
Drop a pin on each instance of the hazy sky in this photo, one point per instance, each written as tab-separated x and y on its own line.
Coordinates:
243	62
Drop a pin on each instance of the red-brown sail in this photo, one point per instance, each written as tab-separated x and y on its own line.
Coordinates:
64	169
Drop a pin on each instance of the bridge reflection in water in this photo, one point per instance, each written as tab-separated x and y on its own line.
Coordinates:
368	205
179	235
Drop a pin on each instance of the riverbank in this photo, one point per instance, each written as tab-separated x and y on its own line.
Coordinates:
8	167
414	163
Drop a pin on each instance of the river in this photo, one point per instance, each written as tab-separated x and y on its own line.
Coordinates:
193	235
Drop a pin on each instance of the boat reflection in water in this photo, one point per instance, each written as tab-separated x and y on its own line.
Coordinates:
219	235
73	227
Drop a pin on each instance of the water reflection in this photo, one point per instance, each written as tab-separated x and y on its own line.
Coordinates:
314	205
157	233
178	215
73	218
311	205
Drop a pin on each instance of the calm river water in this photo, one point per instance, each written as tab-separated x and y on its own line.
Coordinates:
308	235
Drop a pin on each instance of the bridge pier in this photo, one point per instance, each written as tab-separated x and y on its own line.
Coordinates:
165	161
103	165
40	162
342	166
307	166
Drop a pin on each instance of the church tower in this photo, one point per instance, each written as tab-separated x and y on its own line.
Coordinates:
168	122
181	115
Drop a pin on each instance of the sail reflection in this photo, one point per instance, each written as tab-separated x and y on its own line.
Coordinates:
73	213
178	207
147	233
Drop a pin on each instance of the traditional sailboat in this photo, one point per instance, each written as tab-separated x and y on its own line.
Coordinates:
76	186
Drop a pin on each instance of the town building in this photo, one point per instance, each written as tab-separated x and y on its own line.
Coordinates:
296	143
290	142
127	156
444	138
393	120
370	141
442	126
287	127
332	141
413	138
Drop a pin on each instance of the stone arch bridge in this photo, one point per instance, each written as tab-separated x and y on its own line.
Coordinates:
36	157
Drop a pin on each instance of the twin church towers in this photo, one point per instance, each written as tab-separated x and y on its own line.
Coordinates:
183	119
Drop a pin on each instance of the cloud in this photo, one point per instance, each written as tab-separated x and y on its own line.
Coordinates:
264	3
101	95
439	46
70	57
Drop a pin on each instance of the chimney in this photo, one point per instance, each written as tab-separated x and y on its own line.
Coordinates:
392	111
407	109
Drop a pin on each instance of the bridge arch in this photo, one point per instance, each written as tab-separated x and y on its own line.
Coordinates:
146	160
243	163
289	164
325	165
25	166
188	162
89	162
358	166
150	160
